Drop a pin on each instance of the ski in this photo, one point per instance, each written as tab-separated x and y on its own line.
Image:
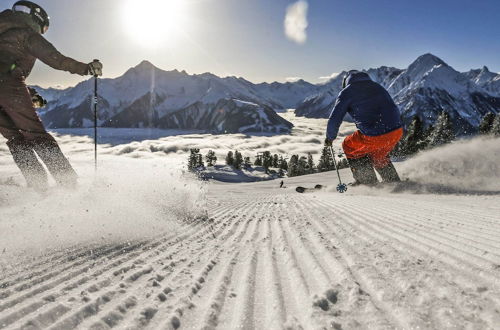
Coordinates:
302	190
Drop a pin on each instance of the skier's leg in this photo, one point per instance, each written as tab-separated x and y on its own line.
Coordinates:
17	104
23	154
25	159
362	170
380	156
388	173
356	152
50	153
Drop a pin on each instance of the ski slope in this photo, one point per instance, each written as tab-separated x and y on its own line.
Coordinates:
269	258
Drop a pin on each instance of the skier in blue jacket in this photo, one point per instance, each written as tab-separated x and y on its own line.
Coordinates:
379	128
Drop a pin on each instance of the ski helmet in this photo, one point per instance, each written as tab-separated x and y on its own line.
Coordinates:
349	73
37	13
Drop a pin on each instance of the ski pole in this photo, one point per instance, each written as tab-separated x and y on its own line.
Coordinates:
95	122
341	187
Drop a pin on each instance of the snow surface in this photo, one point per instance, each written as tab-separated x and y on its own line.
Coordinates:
142	245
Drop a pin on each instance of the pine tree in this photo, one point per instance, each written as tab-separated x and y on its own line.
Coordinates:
486	123
258	160
238	160
283	164
199	161
302	166
443	131
230	158
325	160
310	164
267	160
281	173
293	166
194	159
495	126
413	141
275	161
211	158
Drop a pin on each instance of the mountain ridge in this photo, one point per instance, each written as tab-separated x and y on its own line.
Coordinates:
426	87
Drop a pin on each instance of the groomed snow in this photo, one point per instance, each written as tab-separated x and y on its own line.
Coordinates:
142	245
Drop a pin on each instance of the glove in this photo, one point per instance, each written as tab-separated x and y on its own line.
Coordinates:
95	68
328	142
38	101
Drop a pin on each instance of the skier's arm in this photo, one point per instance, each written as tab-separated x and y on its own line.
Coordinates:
337	115
40	48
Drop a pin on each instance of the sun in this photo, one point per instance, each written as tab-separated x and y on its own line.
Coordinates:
153	23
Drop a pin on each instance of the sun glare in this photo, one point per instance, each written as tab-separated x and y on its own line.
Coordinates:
153	23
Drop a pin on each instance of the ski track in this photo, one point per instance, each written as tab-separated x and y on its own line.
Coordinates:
275	259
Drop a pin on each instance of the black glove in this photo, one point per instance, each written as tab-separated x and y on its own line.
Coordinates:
328	142
95	68
38	101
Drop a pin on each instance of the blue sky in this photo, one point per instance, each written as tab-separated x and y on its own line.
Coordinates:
246	37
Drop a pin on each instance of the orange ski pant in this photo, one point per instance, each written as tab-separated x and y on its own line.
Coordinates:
358	145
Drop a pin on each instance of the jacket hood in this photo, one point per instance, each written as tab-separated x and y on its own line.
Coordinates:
355	76
10	20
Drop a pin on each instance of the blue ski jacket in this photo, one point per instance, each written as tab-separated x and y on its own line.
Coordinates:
369	104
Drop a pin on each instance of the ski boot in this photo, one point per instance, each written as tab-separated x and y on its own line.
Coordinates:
388	173
362	171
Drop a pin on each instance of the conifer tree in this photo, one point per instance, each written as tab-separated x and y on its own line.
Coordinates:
283	164
486	123
325	160
258	160
413	141
302	166
211	158
194	159
238	160
267	160
495	126
310	164
443	131
230	158
293	166
275	161
199	161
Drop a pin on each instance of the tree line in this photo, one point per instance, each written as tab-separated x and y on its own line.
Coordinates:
271	163
418	138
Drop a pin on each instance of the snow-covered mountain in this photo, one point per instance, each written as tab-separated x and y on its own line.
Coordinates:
146	96
427	87
488	80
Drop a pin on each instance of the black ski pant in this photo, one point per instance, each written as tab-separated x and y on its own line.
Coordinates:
26	135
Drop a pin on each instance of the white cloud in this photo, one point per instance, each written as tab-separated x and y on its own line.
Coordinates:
296	22
333	75
292	79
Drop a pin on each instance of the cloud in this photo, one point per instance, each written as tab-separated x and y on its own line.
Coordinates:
296	22
333	75
292	79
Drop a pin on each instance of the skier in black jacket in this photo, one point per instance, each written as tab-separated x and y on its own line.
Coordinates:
21	44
